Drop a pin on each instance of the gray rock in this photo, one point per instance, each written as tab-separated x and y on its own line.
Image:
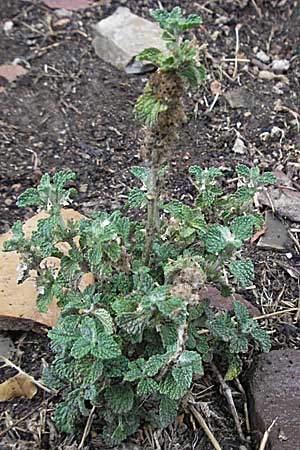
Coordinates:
239	146
121	36
238	98
262	56
63	12
280	65
276	235
7	347
274	389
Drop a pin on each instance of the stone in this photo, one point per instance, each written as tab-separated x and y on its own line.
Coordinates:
273	393
276	235
239	147
262	56
18	301
7	348
221	303
11	71
285	201
121	36
238	98
67	4
280	65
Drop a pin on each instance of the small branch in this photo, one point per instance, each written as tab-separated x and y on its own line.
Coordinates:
179	349
237	47
266	435
30	413
205	427
9	363
87	427
229	398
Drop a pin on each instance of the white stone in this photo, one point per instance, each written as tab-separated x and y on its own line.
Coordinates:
280	65
121	36
8	26
239	146
262	56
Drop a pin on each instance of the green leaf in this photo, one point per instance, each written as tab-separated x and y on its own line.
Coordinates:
154	364
173	308
151	54
106	347
243	170
241	313
262	337
113	251
221	327
243	271
191	359
30	197
137	198
169	387
142	173
119	398
105	319
168	333
147	386
268	178
183	376
167	411
238	343
80	348
219	237
135	370
234	368
242	227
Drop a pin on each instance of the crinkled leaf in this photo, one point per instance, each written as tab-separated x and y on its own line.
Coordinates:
119	398
147	386
243	271
167	411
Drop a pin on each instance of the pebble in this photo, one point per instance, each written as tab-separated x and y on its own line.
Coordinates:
239	146
63	13
8	26
7	347
280	65
262	56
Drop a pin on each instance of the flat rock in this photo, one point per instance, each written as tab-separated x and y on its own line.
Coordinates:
121	36
18	309
238	98
286	202
274	390
218	301
276	235
7	347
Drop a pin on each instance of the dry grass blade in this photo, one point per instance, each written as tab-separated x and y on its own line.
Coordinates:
87	427
266	436
9	363
229	398
205	427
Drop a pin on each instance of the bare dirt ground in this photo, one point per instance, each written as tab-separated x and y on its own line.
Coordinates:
72	110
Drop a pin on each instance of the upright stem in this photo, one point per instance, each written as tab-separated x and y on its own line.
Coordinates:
152	213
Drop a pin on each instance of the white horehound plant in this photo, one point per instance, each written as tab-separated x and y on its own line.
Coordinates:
129	343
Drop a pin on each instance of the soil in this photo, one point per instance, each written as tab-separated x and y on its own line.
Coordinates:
72	110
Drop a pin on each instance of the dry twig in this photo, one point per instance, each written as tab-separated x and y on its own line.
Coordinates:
87	427
229	398
9	363
205	427
266	436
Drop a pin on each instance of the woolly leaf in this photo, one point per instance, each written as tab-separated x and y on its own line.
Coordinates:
191	359
147	386
238	343
242	227
268	178
183	376
137	198
142	173
261	336
243	271
167	411
169	387
234	368
173	308
243	170
106	347
113	251
80	348
219	237
119	398
154	364
135	370
151	54
106	320
241	313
